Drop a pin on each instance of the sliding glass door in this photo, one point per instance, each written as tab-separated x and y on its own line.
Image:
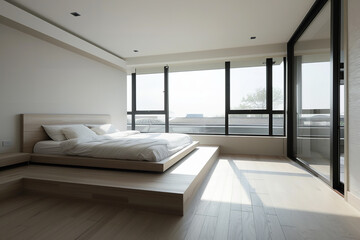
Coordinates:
313	81
314	137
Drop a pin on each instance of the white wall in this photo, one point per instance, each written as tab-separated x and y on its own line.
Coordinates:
253	145
354	102
39	77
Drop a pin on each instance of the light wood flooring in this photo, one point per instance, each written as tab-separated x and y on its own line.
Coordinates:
243	197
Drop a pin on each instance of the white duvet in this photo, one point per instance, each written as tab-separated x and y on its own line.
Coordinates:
129	145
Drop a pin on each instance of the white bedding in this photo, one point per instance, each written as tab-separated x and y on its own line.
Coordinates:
48	147
129	145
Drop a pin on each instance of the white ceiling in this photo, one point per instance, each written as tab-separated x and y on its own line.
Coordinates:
320	26
157	27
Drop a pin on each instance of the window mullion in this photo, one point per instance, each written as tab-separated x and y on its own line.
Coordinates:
166	97
227	96
133	100
269	92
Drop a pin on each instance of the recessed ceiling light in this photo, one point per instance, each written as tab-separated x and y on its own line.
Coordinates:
75	14
136	50
252	38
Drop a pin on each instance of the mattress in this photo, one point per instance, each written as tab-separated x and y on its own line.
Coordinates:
152	147
48	147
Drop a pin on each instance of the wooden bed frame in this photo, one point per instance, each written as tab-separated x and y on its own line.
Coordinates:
33	132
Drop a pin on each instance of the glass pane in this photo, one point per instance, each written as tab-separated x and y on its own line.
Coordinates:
342	125
313	81
278	84
278	124
197	101
249	124
150	92
128	122
129	93
248	88
150	123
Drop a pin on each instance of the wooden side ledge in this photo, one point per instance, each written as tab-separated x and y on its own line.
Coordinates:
8	159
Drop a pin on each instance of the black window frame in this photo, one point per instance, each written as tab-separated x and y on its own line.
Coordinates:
164	112
268	111
269	99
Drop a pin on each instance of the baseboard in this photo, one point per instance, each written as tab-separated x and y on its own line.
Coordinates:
252	145
353	200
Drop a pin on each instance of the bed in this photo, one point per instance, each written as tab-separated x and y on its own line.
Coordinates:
33	132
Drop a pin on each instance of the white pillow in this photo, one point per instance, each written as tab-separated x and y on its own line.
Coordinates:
54	131
103	129
80	131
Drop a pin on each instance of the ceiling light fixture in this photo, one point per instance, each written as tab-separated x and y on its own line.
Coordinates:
75	14
252	38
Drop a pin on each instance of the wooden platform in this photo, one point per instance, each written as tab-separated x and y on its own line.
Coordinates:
167	192
160	166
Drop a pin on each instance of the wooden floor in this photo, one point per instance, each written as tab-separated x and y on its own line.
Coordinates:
243	197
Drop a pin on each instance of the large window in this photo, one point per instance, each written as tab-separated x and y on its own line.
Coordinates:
247	88
278	84
129	101
249	124
129	93
197	100
150	92
148	111
256	96
278	96
150	123
238	98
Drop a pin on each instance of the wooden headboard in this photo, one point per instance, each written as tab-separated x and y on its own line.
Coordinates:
33	132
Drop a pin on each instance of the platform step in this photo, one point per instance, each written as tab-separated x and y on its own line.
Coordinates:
168	192
8	159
